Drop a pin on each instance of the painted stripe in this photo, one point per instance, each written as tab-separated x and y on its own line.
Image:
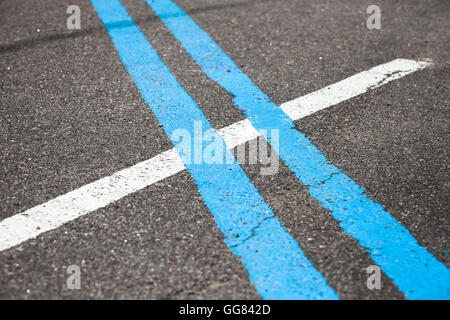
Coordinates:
417	273
276	265
98	194
351	87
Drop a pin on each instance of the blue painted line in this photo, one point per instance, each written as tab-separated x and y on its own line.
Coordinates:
417	273
276	265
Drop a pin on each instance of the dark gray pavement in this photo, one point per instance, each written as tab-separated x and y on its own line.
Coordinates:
70	114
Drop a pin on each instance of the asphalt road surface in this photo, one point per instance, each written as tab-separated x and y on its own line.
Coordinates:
74	109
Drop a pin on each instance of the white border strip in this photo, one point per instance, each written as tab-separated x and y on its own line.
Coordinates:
79	202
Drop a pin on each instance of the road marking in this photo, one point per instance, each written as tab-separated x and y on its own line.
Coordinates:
416	272
98	194
95	195
351	87
275	263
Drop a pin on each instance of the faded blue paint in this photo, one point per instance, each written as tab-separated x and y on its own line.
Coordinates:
275	263
417	273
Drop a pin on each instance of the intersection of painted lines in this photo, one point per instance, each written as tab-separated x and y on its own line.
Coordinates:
416	272
50	215
271	275
279	270
88	198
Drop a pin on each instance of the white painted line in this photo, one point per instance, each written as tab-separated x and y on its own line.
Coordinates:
98	194
351	87
54	213
238	133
